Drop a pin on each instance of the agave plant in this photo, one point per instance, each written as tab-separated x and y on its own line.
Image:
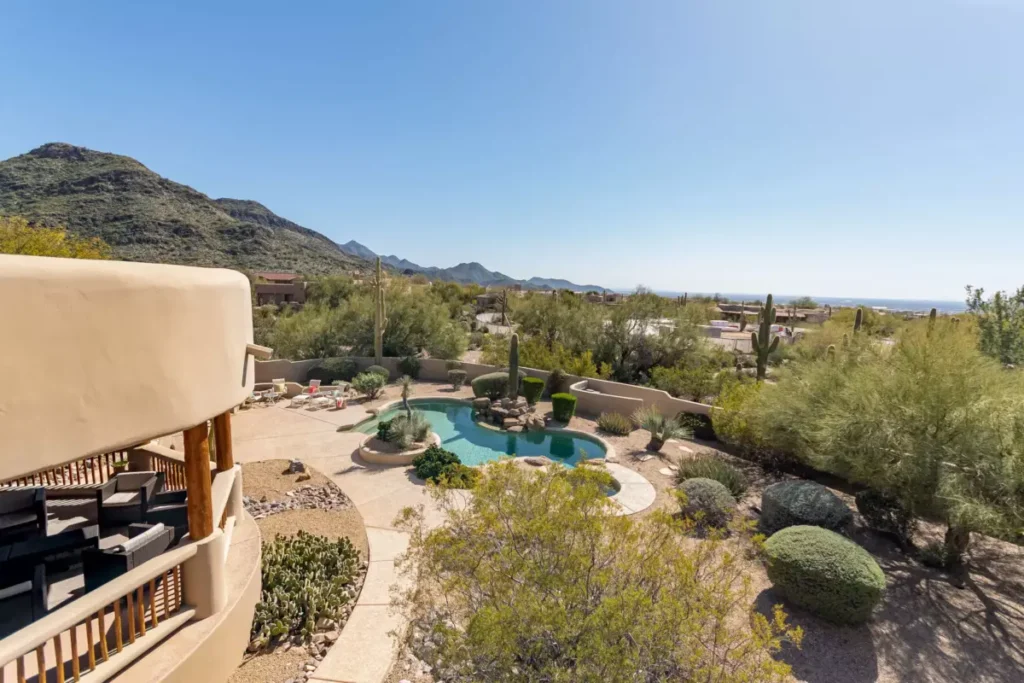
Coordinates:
661	428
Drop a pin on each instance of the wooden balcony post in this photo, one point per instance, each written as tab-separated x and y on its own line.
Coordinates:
197	482
222	437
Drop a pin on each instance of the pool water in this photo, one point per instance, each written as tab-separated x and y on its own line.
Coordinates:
475	445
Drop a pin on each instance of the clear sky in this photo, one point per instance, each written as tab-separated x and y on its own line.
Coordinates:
871	148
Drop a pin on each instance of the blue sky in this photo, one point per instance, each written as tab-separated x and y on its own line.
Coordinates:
869	149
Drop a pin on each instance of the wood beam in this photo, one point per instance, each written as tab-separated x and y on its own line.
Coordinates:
222	439
197	482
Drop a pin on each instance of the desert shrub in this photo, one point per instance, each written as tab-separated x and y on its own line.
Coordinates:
404	430
700	425
884	513
563	407
369	383
710	467
457	378
533	387
379	370
305	578
661	428
615	423
824	573
802	503
409	366
493	385
332	370
453	365
433	461
612	595
558	382
707	502
383	428
476	339
458	476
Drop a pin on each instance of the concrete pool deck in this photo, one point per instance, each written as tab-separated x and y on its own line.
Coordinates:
369	642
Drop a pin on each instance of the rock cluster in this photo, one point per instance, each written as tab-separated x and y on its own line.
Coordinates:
512	415
323	497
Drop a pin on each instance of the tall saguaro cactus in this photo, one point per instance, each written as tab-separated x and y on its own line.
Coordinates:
762	341
931	321
513	367
380	322
858	320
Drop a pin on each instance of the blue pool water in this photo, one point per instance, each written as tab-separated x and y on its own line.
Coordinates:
476	445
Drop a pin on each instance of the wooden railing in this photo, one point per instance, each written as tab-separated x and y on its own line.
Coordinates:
105	630
173	469
95	469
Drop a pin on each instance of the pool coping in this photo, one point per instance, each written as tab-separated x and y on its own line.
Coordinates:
375	412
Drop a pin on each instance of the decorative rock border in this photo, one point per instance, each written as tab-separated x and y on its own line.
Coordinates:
392	459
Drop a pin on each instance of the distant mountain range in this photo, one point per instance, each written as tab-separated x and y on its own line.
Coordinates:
145	217
464	273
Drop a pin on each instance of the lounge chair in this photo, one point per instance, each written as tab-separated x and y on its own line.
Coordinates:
125	498
145	542
22	513
314	387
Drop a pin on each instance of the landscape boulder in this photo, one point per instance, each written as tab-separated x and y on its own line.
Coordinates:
795	503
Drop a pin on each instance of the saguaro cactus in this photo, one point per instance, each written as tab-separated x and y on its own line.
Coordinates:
743	322
762	342
513	367
828	310
380	322
858	321
932	314
830	352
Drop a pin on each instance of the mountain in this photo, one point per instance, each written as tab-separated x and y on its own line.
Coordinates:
465	273
146	217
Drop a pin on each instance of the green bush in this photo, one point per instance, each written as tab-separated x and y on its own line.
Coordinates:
707	502
824	573
558	382
410	365
383	429
885	514
369	383
802	503
332	370
615	423
458	476
699	424
379	370
305	578
493	385
533	387
457	378
563	407
710	467
432	463
453	365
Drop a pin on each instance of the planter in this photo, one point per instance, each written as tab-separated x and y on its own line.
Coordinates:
378	452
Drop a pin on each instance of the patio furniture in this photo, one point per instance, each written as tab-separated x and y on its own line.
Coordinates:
299	400
125	498
145	542
60	549
12	586
314	386
22	513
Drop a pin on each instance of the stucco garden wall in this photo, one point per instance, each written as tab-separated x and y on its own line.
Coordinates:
593	396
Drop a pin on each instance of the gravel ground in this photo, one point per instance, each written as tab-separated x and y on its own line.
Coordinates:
284	504
926	631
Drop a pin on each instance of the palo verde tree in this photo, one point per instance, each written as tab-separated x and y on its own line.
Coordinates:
19	238
536	578
1000	323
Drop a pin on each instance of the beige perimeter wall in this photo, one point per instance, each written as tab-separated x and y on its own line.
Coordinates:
593	396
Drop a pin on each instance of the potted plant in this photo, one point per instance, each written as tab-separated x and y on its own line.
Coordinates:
120	466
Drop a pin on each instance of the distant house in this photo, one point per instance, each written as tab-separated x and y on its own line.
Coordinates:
279	288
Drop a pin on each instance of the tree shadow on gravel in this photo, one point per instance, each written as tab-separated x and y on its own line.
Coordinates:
829	653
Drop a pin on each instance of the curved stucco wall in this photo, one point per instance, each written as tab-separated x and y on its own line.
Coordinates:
100	355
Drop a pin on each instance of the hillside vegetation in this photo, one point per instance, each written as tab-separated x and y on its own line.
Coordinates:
146	217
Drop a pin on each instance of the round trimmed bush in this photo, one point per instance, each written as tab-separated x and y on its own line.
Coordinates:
493	385
825	573
533	387
708	497
379	370
796	503
563	407
456	378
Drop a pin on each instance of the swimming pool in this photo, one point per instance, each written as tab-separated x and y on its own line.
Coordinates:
452	420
